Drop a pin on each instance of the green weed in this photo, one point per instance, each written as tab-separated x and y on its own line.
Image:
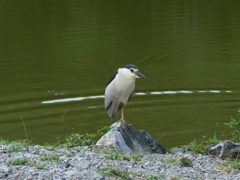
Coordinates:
17	161
39	164
49	157
74	140
115	172
69	154
233	163
170	160
200	146
124	174
115	155
14	149
186	162
152	177
234	125
14	142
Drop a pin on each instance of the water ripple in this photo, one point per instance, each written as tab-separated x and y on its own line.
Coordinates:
139	93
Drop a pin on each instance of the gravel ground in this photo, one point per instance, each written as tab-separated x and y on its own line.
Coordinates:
37	162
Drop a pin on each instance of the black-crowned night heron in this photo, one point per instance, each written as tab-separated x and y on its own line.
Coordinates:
120	88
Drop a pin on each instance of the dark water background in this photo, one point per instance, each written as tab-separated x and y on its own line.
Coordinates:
56	50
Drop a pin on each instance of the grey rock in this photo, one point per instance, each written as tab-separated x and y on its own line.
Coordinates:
3	175
67	164
224	149
176	150
55	177
130	140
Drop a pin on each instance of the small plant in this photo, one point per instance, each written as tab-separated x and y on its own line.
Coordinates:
14	143
14	149
115	155
233	123
17	161
46	144
235	136
126	174
39	164
213	140
37	151
151	177
118	156
170	160
74	140
3	141
195	146
184	148
49	157
69	154
186	162
78	140
233	163
115	172
200	147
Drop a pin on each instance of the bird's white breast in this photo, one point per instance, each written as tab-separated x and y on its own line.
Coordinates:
125	85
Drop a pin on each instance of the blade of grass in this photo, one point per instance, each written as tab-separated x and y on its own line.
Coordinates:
24	128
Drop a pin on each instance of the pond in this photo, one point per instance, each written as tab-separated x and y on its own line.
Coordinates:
57	57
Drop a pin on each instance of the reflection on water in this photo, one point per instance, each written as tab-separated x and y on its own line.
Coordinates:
73	99
139	93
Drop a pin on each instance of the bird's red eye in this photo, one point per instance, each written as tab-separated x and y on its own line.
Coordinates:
132	70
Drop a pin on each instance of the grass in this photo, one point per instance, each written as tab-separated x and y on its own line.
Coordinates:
25	130
170	160
14	149
115	155
74	140
17	161
49	157
233	163
39	164
234	126
153	177
200	146
119	173
119	156
186	162
14	142
69	154
115	172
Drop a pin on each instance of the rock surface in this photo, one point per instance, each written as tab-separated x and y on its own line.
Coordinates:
224	149
130	140
80	163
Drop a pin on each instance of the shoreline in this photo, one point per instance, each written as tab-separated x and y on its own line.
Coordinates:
85	162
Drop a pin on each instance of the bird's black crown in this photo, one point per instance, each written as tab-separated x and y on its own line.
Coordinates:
129	66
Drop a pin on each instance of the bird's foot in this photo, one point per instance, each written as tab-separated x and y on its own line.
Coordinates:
124	122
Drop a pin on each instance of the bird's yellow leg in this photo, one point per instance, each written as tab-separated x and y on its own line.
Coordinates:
122	118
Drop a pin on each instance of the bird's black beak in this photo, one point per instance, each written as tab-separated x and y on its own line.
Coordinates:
140	75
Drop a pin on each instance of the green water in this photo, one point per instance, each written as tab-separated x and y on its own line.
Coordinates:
52	50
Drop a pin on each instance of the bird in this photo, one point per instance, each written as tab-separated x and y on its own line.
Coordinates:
119	90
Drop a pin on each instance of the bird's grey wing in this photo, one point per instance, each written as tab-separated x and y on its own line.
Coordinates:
112	78
130	96
111	95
